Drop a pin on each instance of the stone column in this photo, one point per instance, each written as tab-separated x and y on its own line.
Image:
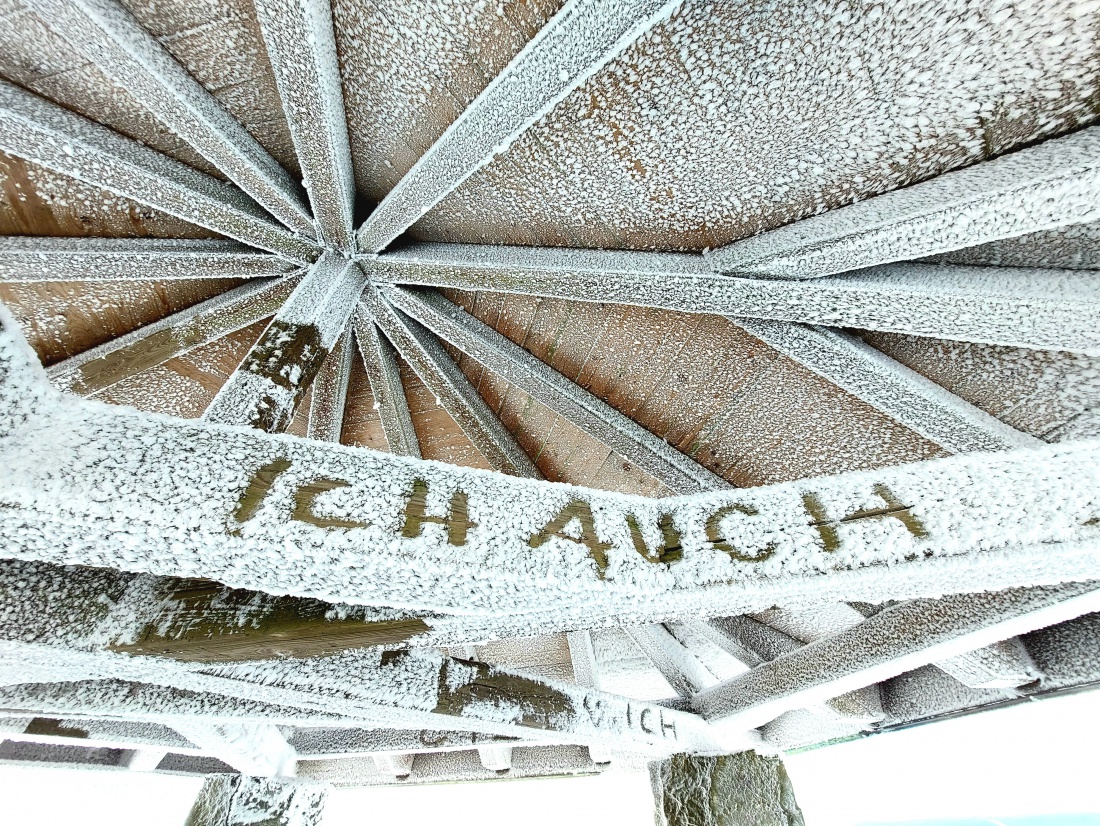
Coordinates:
240	800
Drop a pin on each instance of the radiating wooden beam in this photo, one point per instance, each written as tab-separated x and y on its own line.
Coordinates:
42	132
302	48
240	800
113	361
266	389
549	387
380	363
894	641
577	42
330	393
257	749
684	672
1053	184
1041	309
31	259
107	34
456	395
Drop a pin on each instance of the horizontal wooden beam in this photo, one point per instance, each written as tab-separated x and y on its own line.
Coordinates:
894	641
549	387
380	363
31	259
266	389
577	42
36	130
1040	309
1053	184
113	361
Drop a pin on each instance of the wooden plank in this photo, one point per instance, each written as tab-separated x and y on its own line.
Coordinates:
1040	188
549	387
118	359
330	393
107	34
257	749
684	672
576	44
302	49
132	259
46	134
266	389
362	424
380	362
1041	309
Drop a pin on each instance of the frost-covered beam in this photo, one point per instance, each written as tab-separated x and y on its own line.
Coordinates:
330	393
902	394
118	359
582	655
109	36
1041	309
240	800
577	42
44	133
456	395
98	734
544	384
380	363
1054	184
265	390
342	743
684	672
30	259
889	643
257	749
302	48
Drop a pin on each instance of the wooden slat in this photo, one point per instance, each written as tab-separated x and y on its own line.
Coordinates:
106	33
1042	309
586	411
123	357
573	46
24	259
684	672
1074	247
257	749
384	376
266	389
330	393
46	134
300	43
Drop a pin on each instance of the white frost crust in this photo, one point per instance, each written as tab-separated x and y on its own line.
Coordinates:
580	40
302	48
44	133
677	664
901	393
108	35
256	749
544	384
1075	247
1054	184
90	484
330	393
1033	308
30	259
380	364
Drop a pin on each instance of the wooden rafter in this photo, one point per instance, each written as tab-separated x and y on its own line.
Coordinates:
330	393
380	363
577	42
106	33
42	132
684	672
1043	187
1041	309
549	387
300	43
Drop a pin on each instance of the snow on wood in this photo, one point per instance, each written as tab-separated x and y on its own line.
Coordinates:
585	672
901	393
893	641
266	389
30	259
684	672
125	356
302	48
239	800
257	749
342	743
396	765
107	34
1041	309
546	385
143	760
43	133
1043	187
1074	247
456	395
380	364
330	393
577	42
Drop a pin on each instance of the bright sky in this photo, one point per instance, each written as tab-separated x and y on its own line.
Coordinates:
1018	766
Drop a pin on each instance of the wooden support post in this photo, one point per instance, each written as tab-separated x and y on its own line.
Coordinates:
746	789
239	800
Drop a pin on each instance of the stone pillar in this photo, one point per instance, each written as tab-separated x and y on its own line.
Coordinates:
240	800
746	789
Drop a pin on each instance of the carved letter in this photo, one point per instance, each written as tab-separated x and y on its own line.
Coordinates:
895	509
253	497
714	534
303	505
670	549
580	510
457	519
641	720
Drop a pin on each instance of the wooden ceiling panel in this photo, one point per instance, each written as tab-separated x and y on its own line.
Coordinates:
362	424
730	119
